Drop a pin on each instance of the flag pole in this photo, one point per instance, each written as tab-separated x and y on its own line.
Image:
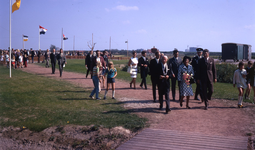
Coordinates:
127	48
10	39
39	40
62	39
23	40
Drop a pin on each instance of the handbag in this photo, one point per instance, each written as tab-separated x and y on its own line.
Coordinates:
129	70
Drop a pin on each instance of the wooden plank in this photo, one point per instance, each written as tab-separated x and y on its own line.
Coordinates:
191	143
168	139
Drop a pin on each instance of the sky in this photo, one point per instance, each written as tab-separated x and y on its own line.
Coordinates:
165	24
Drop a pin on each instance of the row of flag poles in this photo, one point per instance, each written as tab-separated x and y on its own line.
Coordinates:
15	5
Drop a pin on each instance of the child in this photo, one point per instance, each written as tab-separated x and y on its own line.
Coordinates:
7	59
21	61
96	80
240	81
248	90
112	73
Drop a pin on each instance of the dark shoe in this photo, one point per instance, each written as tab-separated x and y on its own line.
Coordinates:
135	88
146	88
104	97
206	108
141	86
113	97
181	104
130	85
187	107
154	101
173	99
167	110
98	98
196	99
91	97
160	108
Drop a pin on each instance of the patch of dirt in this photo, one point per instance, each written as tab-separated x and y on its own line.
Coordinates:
64	137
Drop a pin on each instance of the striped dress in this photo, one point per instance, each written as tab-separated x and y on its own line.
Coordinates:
134	68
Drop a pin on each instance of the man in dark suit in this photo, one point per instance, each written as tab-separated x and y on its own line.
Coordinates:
105	56
32	54
39	55
153	72
206	76
194	64
143	63
174	64
53	59
88	62
163	75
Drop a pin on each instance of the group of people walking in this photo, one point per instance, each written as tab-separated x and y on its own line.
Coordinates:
244	79
99	66
200	70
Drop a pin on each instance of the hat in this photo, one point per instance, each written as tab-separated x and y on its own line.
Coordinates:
199	50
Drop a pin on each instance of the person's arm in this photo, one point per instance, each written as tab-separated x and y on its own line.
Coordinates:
234	79
214	72
129	62
115	73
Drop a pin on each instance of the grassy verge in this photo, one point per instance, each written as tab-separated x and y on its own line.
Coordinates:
38	102
221	90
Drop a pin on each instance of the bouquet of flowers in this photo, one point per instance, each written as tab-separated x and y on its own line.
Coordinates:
188	78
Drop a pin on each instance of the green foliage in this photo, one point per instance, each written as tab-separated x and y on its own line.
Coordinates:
37	102
225	72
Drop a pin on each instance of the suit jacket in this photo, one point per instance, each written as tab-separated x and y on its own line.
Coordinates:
206	70
53	58
94	63
153	68
88	60
32	53
105	60
163	83
61	58
194	64
174	65
143	70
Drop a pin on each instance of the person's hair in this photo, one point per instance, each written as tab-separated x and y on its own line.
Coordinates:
157	52
133	52
98	64
165	57
143	52
249	62
175	51
205	50
110	65
98	51
185	58
241	64
105	51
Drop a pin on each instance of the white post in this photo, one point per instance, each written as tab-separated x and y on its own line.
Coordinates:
23	40
10	38
62	39
127	48
39	40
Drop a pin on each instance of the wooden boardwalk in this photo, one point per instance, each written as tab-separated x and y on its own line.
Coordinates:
157	139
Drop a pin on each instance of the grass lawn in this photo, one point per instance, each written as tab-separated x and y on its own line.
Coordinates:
39	102
221	90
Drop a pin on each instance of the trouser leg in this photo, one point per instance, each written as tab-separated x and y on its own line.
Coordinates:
173	82
167	99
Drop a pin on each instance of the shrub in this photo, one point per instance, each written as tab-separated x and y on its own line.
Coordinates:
225	72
